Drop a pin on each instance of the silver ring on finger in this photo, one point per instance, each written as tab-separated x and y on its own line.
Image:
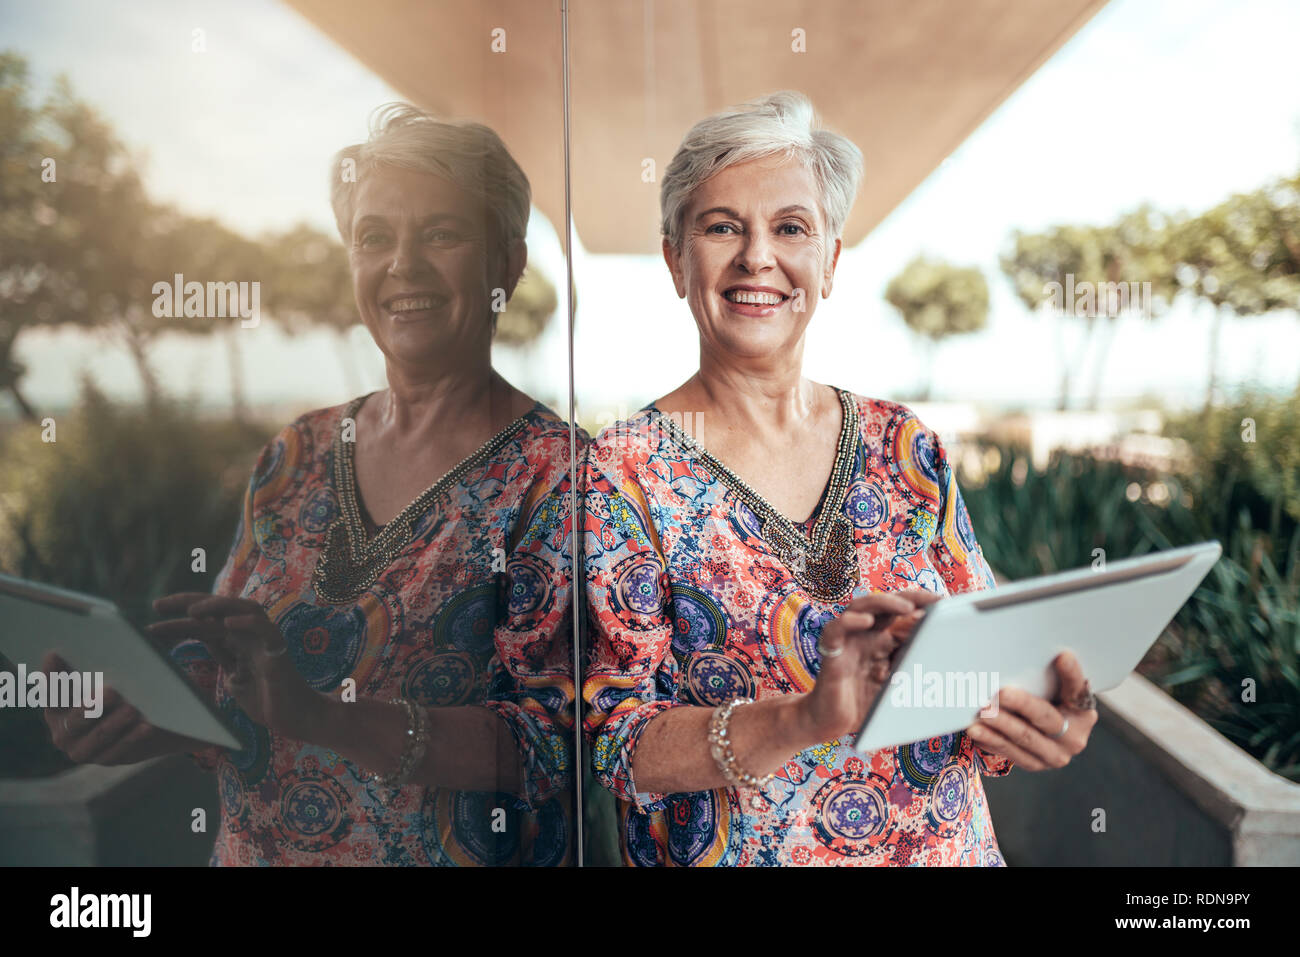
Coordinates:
1064	728
829	652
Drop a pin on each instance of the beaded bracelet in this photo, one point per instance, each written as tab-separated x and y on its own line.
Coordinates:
724	755
417	736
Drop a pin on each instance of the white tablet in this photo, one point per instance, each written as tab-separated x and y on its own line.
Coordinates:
967	646
92	636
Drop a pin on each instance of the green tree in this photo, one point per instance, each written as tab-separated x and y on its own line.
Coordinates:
42	255
938	300
1242	257
81	243
1134	252
309	283
24	284
204	251
1094	268
1038	260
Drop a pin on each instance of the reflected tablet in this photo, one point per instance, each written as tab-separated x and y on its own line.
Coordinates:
91	635
967	646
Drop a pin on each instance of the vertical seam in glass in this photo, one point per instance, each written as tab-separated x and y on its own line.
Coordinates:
579	765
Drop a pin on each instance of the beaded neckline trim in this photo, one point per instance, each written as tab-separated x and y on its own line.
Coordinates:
823	562
352	560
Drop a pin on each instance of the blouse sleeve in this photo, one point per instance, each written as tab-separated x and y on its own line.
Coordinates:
958	558
532	685
192	656
631	674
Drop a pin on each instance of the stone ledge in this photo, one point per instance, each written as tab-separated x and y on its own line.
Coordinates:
94	815
1260	809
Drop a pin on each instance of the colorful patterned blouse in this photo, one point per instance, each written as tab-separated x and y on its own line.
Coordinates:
698	592
475	609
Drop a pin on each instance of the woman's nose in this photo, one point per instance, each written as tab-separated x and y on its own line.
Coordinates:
755	253
407	260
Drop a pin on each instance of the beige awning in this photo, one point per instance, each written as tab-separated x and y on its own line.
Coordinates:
907	81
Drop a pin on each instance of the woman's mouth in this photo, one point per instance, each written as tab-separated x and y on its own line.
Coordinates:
413	306
754	302
754	298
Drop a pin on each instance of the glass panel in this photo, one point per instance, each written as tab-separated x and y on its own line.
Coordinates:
333	332
766	463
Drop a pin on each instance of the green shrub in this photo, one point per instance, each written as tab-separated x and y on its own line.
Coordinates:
1233	656
1246	456
1243	622
115	507
1030	522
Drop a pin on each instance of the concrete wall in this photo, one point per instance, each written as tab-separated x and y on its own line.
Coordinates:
1173	792
109	816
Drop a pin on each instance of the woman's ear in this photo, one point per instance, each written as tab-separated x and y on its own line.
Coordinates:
828	279
674	261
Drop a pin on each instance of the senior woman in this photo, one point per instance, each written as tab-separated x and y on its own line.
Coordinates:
750	577
387	635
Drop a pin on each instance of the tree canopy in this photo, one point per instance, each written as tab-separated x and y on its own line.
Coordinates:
82	244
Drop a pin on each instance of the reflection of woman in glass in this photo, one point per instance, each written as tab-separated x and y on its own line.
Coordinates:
750	577
389	633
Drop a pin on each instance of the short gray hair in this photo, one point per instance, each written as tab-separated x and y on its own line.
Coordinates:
470	155
779	124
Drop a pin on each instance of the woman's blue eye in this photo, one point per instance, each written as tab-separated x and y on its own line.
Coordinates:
795	226
718	226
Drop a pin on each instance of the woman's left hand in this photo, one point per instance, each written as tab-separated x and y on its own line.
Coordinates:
251	652
1023	727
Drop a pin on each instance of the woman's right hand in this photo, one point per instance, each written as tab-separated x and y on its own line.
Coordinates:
869	631
120	735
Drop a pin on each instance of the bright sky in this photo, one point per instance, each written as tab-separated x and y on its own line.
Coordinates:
1173	102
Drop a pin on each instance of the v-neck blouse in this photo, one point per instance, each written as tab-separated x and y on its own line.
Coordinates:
688	605
350	492
476	609
658	420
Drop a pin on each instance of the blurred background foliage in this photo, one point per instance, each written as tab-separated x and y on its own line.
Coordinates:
115	506
1243	623
117	503
938	300
82	244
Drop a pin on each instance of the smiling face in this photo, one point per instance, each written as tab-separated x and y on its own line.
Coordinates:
755	257
423	270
